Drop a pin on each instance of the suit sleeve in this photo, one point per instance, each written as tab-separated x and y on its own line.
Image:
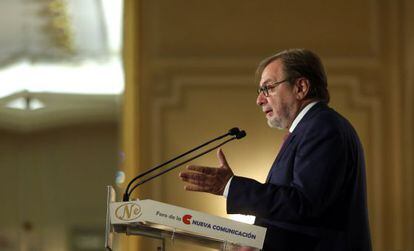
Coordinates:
319	171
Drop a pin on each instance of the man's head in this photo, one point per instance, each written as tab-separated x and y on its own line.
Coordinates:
288	82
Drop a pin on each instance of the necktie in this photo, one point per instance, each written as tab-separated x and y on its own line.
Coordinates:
285	137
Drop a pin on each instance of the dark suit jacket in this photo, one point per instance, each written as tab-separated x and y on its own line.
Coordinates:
315	195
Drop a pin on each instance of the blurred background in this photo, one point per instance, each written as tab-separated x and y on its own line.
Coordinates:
89	88
61	82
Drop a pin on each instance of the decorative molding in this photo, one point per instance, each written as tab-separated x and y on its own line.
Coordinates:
173	98
395	135
373	105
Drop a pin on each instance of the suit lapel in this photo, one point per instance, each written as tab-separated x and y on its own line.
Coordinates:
281	152
315	109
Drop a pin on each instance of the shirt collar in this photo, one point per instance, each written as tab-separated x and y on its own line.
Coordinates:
301	115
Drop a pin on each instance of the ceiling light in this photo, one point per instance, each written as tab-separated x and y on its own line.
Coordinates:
26	103
106	78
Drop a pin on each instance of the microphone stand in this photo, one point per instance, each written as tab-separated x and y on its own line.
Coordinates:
179	164
234	131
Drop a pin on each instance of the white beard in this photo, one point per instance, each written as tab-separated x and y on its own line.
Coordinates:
281	122
274	123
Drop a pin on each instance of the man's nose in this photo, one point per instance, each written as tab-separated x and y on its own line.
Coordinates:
261	99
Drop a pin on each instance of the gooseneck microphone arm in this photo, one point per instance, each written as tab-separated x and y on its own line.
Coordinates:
234	132
179	164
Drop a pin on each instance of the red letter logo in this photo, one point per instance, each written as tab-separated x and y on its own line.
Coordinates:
187	218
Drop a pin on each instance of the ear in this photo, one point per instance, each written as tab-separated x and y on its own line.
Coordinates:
302	87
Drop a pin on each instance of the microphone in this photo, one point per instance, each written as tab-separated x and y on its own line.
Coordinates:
240	134
235	132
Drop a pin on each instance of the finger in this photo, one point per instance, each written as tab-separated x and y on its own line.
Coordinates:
199	180
222	158
195	188
193	178
202	169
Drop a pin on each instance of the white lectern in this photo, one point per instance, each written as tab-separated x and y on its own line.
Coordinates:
161	221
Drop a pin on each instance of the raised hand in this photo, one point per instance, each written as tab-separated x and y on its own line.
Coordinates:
208	179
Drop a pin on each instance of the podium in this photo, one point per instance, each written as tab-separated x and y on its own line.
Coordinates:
157	220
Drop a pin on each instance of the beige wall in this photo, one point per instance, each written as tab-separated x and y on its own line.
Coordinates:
56	179
196	64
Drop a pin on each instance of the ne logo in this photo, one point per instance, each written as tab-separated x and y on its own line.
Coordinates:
128	212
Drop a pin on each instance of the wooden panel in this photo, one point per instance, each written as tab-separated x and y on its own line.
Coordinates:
199	59
247	28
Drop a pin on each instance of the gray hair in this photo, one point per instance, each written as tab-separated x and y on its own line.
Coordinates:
301	63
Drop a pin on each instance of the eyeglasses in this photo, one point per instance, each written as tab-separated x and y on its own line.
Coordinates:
265	88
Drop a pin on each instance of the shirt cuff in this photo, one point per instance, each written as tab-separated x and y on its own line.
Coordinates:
226	189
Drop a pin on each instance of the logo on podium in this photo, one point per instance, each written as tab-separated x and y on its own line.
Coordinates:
128	212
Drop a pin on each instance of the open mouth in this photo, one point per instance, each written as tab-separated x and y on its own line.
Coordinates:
268	112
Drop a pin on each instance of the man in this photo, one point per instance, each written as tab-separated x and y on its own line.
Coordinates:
314	197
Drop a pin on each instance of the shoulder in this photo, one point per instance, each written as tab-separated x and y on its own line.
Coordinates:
324	124
321	117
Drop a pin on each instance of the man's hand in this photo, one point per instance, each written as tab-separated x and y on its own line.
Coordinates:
208	179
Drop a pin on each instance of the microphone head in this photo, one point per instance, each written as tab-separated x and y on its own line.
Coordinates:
234	131
241	134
